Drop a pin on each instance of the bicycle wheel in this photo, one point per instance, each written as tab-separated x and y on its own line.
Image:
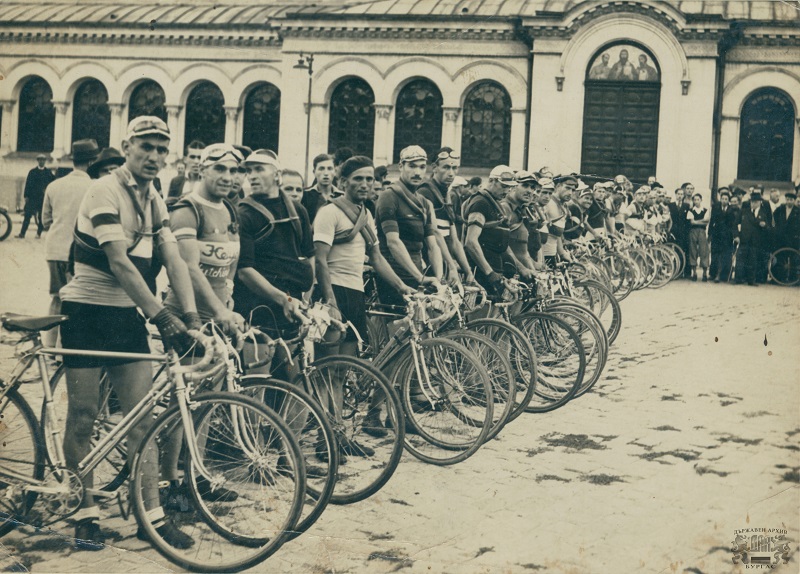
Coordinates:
5	225
603	304
112	472
784	266
520	352
449	409
367	427
501	375
623	275
247	449
593	338
310	426
21	452
561	359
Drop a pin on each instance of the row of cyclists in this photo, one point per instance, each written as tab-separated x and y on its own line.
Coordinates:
265	256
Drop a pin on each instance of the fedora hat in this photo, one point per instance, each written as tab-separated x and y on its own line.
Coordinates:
109	156
84	151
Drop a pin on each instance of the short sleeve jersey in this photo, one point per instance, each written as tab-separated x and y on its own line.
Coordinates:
442	211
217	242
556	221
279	256
107	213
395	215
345	260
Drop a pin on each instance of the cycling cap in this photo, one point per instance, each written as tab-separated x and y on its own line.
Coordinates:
412	153
565	178
354	164
147	126
523	176
263	156
217	152
547	183
503	174
459	181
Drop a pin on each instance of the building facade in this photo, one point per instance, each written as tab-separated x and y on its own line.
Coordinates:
706	92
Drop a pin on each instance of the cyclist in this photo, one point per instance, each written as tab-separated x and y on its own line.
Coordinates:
557	213
344	231
122	223
276	261
405	222
456	195
634	213
206	227
488	232
435	189
597	215
522	219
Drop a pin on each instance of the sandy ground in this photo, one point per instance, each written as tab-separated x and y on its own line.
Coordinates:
693	432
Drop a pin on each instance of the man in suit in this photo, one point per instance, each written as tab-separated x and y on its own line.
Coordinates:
35	184
787	223
753	238
183	184
721	232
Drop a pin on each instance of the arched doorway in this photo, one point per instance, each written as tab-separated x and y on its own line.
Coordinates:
205	114
620	113
37	116
486	132
262	117
147	99
91	117
418	117
352	119
766	136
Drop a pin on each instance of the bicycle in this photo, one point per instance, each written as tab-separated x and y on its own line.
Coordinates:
243	444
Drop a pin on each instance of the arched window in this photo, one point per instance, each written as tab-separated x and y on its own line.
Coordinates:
352	119
205	114
486	136
262	117
147	99
91	117
766	136
418	117
37	116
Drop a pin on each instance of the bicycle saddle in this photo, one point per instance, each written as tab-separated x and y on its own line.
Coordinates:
13	322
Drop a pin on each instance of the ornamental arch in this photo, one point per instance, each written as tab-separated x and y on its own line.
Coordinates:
766	136
262	117
352	117
205	114
37	116
486	126
418	116
91	116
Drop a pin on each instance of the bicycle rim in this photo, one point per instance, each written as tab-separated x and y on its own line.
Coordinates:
242	444
369	407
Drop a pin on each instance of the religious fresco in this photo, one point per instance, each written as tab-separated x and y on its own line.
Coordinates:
624	62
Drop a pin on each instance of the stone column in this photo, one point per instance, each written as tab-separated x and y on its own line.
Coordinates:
116	130
517	137
176	142
61	136
231	117
8	135
450	128
382	144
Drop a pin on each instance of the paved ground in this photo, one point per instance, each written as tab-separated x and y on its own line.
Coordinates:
691	434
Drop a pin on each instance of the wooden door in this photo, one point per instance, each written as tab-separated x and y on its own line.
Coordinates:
620	129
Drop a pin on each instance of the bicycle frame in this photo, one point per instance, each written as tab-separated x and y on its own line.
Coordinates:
175	380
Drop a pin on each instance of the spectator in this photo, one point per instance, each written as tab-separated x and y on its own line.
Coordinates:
183	184
292	184
697	221
322	191
721	232
787	223
754	227
35	184
62	201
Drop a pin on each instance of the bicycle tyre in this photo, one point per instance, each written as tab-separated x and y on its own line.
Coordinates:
364	385
521	355
5	225
784	266
319	487
458	401
604	306
269	501
555	343
501	374
22	452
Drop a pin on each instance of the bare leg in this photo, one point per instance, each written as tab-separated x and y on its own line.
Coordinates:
83	394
